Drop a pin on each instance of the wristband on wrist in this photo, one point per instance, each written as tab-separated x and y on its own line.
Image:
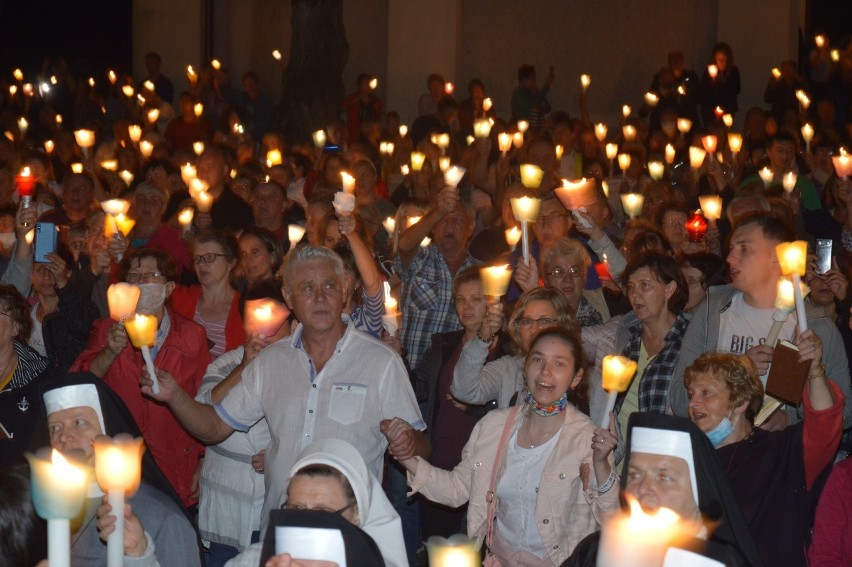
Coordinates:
486	341
608	484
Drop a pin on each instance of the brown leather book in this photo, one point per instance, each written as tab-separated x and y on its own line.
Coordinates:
787	376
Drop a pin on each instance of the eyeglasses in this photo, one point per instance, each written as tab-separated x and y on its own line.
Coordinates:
77	245
147	277
208	258
559	273
552	218
288	506
526	323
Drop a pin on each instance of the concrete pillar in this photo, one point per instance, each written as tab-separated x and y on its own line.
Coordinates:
423	38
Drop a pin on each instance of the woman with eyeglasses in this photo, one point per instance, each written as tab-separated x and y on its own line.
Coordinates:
180	349
477	382
330	476
651	334
214	303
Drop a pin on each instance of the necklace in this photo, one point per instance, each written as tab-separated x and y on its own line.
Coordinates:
544	411
533	444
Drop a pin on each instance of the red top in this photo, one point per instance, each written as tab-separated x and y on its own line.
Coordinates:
184	300
185	355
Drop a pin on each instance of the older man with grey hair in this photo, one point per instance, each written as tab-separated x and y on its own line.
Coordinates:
326	380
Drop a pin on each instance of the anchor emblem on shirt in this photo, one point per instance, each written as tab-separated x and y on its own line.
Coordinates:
23	405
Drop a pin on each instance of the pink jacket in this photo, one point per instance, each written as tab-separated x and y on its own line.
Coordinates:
565	513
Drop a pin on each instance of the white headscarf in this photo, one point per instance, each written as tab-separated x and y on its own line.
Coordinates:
74	396
378	518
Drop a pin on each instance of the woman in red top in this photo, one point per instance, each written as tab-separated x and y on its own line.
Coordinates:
214	304
181	349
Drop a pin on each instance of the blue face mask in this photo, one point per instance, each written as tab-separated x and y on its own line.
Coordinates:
721	431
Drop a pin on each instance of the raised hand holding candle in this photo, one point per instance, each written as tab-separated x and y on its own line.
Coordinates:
632	203
295	233
618	371
142	330
785	303
793	259
122	298
525	210
495	280
118	469
513	236
576	194
265	316
58	492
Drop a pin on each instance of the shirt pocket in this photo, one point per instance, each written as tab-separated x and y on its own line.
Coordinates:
347	402
563	490
425	293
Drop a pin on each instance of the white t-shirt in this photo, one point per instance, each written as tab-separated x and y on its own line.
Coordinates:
742	326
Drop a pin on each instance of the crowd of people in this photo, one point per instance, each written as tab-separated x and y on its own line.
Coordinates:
399	398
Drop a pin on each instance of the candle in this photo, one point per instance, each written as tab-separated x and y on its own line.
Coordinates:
495	280
444	163
442	141
374	83
411	221
711	206
531	175
85	138
803	99
651	99
807	136
26	185
273	157
600	131
295	233
481	128
766	176
124	224
118	469
819	40
835	55
204	201
390	320
504	142
709	142
115	206
134	131
637	538
656	170
696	157
785	303
126	176
276	54
617	371
792	256
128	90
629	132
457	551
626	110
602	268
624	162
417	160
142	330
449	88
670	154
684	125
383	147
58	491
191	75
735	142
185	219
319	138
265	317
22	126
48	146
605	187
559	150
789	181
842	164
18	74
216	64
585	81
696	226
109	164
518	140
513	236
146	148
453	175
403	131
390	225
425	242
404	169
153	115
712	70
632	204
523	126
576	194
728	120
487	103
525	210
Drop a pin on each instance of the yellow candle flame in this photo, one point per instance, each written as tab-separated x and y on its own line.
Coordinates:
523	126
126	176
632	203
142	330
295	233
611	150
711	206
118	463
48	146
624	161
684	125
656	169
618	371
651	99
585	81
495	280
525	209
513	236
403	130
185	217
444	163
696	157
531	175
793	257
389	224
276	54
128	90
709	142
735	141
417	160
319	138
504	141
600	131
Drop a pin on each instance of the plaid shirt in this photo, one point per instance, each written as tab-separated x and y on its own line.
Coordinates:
427	300
656	379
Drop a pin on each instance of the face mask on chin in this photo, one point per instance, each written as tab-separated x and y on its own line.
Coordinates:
721	432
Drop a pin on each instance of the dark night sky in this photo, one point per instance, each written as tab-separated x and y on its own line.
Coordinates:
91	34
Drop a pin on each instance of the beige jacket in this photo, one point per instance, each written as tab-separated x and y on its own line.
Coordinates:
565	513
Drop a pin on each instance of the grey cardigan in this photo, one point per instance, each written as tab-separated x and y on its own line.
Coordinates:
703	336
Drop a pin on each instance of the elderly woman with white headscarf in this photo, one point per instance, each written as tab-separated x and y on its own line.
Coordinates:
331	476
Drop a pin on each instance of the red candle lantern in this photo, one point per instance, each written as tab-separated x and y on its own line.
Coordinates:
26	184
696	226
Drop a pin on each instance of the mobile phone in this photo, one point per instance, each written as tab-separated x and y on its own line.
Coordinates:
45	241
823	254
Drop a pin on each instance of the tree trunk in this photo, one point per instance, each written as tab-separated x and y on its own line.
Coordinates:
312	84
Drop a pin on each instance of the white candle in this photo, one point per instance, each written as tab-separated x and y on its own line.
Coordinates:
600	131
618	372
295	234
792	256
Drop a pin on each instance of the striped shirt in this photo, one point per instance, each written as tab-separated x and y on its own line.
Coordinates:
215	333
